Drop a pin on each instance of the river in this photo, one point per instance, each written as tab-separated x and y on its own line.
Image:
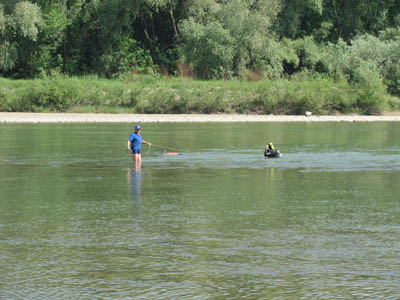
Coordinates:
218	221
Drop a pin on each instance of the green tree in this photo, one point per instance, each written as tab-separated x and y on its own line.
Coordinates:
299	18
228	37
208	48
53	40
8	49
19	32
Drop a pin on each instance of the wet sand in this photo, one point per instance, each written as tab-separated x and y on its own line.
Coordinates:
181	118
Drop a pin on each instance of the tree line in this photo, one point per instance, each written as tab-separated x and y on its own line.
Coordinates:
353	40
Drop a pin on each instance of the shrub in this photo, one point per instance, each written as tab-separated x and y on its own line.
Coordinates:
305	91
371	91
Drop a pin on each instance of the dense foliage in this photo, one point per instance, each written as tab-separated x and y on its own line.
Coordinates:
351	41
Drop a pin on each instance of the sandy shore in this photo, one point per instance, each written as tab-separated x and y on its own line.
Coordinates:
142	118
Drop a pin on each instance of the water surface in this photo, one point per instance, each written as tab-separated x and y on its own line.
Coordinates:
77	221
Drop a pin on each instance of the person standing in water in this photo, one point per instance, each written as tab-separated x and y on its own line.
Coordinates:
134	145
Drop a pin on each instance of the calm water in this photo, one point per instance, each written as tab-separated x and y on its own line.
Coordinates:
218	222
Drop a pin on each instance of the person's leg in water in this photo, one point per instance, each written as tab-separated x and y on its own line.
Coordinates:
137	160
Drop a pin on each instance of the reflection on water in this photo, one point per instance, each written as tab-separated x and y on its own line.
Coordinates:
219	222
134	177
270	173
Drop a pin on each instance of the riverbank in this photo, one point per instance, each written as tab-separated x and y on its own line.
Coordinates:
179	118
150	95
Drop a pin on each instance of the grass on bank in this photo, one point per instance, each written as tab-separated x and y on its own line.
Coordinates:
145	94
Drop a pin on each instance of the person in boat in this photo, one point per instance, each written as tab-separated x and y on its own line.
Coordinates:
134	145
270	151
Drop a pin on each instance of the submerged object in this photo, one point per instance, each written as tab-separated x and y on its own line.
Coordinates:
173	153
272	153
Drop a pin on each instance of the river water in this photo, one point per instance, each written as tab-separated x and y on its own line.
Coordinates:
78	221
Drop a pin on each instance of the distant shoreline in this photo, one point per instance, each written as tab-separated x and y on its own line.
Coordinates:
6	117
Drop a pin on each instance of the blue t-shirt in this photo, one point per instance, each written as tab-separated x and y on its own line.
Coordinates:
136	142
